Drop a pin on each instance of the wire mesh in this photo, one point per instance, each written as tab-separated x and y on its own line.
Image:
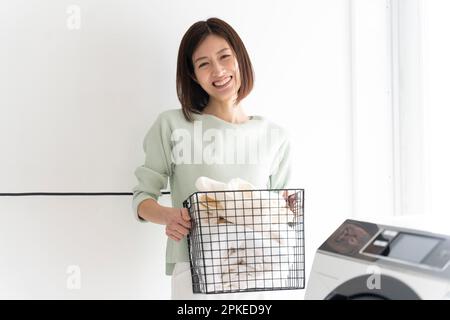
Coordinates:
246	240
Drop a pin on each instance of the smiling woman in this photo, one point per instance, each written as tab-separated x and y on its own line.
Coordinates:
218	74
213	66
210	136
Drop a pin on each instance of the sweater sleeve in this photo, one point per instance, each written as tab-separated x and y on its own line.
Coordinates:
281	167
153	175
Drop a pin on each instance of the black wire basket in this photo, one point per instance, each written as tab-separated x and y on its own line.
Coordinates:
246	240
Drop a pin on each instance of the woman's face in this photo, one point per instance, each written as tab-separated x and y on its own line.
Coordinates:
216	68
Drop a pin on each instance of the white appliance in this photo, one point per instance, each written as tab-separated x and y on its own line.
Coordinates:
363	260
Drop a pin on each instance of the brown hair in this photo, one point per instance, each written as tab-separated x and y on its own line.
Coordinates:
192	97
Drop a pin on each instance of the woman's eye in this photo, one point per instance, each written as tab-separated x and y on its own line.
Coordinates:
206	63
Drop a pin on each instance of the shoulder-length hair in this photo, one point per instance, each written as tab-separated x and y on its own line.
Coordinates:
192	97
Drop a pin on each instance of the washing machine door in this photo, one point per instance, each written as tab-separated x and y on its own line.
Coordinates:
357	289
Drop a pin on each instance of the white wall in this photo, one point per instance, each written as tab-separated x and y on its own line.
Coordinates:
436	101
372	116
75	105
44	238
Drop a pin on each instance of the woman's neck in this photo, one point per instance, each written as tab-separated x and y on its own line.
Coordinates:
227	111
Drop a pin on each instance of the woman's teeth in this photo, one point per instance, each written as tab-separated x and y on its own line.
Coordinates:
222	83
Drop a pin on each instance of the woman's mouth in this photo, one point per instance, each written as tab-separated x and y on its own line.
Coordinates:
223	83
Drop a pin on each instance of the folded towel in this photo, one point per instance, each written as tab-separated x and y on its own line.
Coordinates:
234	249
246	238
208	184
227	200
260	210
258	280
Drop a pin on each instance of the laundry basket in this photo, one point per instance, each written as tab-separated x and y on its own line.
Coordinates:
246	240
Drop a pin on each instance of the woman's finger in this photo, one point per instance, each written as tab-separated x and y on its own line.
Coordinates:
180	229
185	218
173	234
185	214
169	234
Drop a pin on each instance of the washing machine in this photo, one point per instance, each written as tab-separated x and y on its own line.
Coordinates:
364	260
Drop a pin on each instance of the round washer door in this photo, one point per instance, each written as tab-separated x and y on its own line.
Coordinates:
357	289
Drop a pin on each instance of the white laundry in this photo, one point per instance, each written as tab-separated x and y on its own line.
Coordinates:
258	280
261	217
246	239
208	184
235	203
234	249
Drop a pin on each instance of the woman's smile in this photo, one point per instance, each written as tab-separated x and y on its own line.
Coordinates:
223	84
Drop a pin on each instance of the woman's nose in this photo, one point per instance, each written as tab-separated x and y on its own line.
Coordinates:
217	69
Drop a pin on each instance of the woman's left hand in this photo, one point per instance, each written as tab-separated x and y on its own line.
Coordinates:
291	201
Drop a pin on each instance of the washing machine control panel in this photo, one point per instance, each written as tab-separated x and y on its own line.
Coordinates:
410	247
373	242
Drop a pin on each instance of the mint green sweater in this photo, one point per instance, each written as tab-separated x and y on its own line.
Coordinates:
178	151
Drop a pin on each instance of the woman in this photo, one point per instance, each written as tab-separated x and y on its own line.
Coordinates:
211	135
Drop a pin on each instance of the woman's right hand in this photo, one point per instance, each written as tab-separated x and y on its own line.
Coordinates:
177	223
